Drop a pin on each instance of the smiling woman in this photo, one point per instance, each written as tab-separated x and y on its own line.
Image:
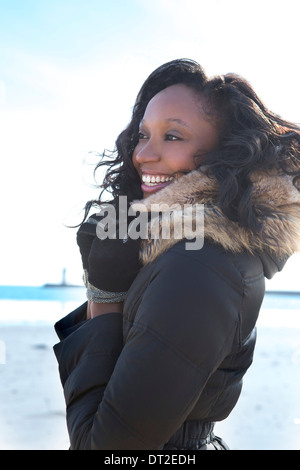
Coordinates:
158	353
174	134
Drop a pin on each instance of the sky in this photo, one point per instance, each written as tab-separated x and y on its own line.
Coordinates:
69	74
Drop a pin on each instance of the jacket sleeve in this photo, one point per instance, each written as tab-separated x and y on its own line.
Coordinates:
86	354
182	331
71	322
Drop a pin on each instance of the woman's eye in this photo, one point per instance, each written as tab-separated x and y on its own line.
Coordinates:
168	137
172	138
142	136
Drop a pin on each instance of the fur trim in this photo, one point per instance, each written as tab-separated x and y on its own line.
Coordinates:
274	195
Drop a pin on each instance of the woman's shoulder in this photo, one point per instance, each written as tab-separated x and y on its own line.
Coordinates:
236	269
209	286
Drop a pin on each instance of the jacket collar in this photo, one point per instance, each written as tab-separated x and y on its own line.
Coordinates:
274	195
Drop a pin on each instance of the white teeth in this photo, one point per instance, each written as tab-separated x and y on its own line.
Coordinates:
153	180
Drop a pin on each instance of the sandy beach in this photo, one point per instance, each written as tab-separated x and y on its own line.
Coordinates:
32	410
32	414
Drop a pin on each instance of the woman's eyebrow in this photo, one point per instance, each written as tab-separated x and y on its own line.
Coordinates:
177	120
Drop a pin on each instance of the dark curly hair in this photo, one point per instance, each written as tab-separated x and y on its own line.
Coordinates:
251	138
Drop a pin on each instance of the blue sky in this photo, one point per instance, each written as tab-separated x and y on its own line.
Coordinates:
69	74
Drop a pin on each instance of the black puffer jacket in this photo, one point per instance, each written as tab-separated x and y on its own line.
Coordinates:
161	374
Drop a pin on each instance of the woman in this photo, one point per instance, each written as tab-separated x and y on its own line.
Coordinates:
158	353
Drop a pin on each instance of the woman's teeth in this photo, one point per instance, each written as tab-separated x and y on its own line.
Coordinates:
151	180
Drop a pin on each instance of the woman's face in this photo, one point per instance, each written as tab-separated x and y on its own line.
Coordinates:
172	133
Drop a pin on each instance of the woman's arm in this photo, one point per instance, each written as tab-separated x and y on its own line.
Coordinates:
95	309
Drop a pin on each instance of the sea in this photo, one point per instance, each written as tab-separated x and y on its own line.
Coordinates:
48	303
38	304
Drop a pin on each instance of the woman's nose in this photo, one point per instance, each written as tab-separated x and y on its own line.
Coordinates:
147	152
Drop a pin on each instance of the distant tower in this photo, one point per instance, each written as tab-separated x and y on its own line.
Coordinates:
63	282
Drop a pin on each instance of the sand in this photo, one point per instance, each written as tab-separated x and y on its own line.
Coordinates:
32	409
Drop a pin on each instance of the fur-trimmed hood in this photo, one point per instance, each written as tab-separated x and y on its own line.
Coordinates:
274	194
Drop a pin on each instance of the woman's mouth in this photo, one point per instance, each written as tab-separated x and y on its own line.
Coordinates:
152	183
